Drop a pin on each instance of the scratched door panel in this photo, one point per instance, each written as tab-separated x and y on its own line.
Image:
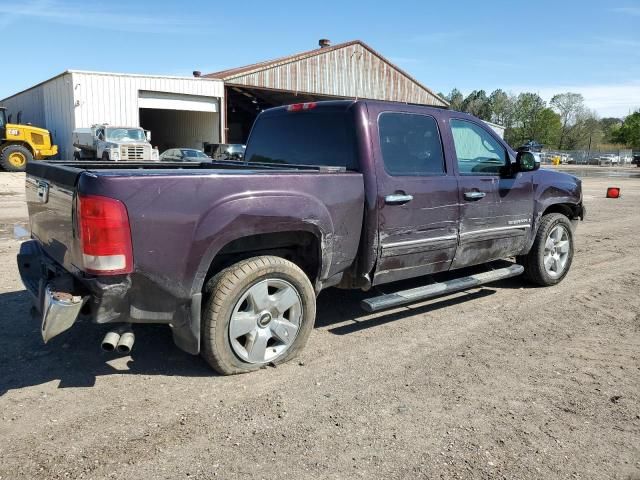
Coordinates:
418	230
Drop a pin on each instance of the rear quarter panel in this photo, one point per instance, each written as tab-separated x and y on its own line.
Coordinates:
179	222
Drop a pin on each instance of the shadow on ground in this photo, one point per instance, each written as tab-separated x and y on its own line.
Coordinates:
74	357
76	360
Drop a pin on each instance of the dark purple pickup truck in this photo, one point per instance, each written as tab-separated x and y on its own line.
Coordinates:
232	255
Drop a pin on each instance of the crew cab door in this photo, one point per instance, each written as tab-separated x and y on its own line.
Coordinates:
417	195
496	207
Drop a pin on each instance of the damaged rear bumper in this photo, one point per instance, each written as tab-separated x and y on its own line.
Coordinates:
53	297
61	297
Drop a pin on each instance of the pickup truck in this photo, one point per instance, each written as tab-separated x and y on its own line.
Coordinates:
232	255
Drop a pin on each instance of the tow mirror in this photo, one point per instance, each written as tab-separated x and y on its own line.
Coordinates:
147	135
527	162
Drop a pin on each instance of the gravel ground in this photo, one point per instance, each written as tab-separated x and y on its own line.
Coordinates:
505	381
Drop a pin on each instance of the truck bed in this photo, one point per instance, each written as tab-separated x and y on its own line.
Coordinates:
180	213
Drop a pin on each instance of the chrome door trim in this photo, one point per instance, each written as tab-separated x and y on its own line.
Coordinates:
496	229
419	241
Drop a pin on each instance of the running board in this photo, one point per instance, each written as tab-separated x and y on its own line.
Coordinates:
437	289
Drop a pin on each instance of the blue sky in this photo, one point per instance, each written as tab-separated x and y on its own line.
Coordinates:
591	47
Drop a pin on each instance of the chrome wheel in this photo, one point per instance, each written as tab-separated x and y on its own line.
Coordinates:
556	251
265	321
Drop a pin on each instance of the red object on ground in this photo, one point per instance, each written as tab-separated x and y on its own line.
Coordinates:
613	192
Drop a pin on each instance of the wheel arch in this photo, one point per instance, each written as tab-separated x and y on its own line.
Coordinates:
11	143
569	210
302	247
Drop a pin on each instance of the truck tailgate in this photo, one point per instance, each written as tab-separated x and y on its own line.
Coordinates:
50	197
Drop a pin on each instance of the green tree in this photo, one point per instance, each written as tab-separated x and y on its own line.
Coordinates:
547	127
629	132
526	114
477	104
610	126
585	131
455	99
502	107
570	106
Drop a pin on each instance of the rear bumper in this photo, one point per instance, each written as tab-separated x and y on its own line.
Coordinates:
53	297
106	299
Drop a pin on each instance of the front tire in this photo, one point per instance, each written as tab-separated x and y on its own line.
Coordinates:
550	257
14	158
259	311
105	157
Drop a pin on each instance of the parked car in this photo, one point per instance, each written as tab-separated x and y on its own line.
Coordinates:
225	151
609	159
184	155
636	160
352	194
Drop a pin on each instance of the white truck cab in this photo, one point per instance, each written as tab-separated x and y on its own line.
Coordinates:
113	143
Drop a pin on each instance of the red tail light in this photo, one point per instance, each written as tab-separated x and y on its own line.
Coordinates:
296	107
105	235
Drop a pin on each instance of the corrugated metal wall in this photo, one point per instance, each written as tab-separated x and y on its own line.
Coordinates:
49	105
81	99
352	71
113	98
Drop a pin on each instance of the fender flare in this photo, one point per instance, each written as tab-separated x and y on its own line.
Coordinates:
240	216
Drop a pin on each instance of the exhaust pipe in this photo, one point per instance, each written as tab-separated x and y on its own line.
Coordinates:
110	341
125	343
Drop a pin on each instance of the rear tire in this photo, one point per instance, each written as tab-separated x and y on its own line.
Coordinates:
14	158
550	257
259	311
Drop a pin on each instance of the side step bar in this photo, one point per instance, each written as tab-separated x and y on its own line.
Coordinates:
404	297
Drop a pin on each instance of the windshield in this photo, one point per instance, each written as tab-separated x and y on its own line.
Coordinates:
193	154
125	135
3	116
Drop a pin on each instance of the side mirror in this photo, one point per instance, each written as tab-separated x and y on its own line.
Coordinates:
147	134
527	162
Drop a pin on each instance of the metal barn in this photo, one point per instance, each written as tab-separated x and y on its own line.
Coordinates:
179	111
346	70
215	108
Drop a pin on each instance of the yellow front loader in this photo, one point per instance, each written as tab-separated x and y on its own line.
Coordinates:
20	144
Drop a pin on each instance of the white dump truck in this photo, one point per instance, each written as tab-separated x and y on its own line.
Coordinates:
110	143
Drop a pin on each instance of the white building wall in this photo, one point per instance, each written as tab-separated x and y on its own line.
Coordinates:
113	98
58	113
80	99
48	105
30	103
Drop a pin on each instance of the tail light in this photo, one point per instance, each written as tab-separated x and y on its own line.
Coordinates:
105	235
297	107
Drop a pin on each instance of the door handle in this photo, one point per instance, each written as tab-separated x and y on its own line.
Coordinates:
474	195
398	199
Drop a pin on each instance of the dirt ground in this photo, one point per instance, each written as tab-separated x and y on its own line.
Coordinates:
505	381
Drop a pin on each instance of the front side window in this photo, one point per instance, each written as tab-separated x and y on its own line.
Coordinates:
477	151
410	144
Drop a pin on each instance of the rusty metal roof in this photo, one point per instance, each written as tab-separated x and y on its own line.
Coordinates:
333	76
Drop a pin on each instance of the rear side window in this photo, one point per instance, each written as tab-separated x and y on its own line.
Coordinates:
477	151
322	137
410	144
